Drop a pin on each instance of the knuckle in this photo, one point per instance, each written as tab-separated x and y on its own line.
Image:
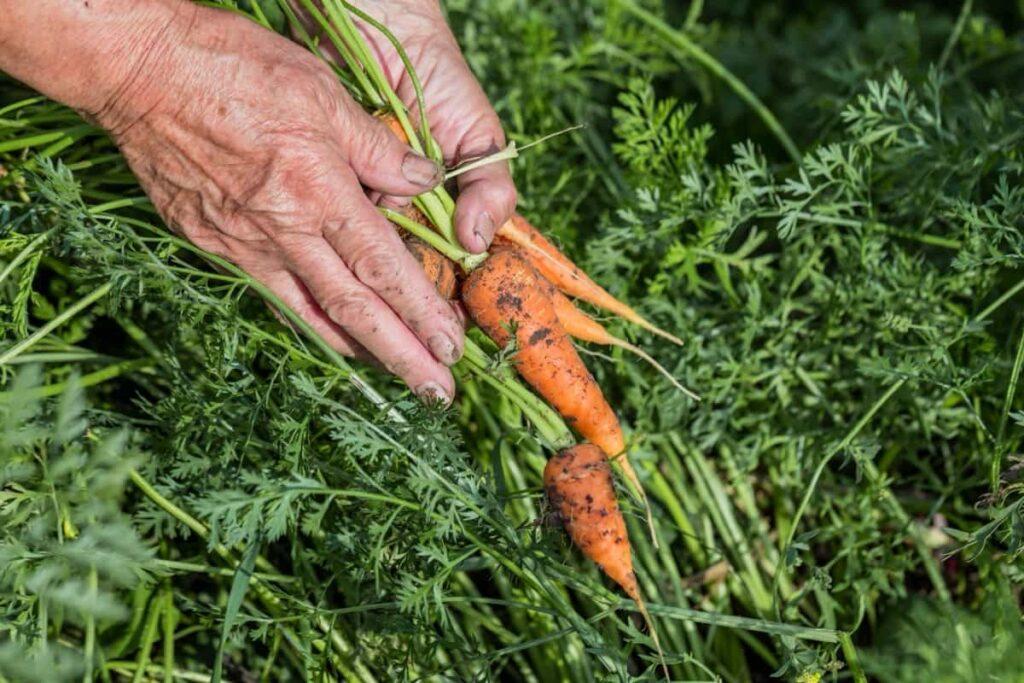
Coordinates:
400	366
376	146
377	267
349	308
316	81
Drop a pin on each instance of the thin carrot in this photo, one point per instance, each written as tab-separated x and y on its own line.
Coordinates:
579	486
439	269
567	276
507	292
581	326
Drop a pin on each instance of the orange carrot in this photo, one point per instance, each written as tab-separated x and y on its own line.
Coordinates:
567	276
581	326
579	486
440	271
506	291
391	121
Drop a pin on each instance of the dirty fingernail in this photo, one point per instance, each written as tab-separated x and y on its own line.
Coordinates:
433	392
483	231
420	170
443	348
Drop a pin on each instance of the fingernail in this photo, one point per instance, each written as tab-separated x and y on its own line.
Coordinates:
444	349
393	202
482	232
420	170
432	392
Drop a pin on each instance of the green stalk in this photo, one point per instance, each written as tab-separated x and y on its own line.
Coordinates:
148	638
343	50
1011	391
451	251
90	629
57	321
168	636
433	150
852	659
83	381
355	42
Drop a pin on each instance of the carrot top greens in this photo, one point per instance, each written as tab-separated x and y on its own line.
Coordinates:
191	490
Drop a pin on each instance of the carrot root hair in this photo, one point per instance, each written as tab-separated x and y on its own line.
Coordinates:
637	351
642	607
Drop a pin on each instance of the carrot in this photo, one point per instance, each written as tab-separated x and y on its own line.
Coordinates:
506	291
391	121
567	276
439	269
581	326
579	486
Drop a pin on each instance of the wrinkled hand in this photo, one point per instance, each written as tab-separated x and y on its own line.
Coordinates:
460	116
249	147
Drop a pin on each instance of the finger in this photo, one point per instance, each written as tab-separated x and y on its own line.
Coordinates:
371	248
363	315
296	296
381	161
487	198
467	128
460	312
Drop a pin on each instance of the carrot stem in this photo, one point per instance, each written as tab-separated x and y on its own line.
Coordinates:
455	253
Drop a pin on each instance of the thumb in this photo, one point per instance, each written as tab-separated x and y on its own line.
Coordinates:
383	162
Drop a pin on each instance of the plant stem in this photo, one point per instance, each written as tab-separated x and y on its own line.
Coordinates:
451	251
852	659
57	321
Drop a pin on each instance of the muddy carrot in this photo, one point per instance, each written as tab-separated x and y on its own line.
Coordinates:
567	276
440	271
581	326
507	292
578	483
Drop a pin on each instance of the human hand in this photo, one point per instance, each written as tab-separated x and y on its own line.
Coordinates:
461	118
250	148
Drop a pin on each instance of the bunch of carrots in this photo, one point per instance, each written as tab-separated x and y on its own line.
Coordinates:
519	295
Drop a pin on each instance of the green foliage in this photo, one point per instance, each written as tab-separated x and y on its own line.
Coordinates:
68	551
852	323
926	641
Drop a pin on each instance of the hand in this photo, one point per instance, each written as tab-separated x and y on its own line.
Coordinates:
461	117
250	148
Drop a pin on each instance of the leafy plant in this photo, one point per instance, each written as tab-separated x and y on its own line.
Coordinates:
184	476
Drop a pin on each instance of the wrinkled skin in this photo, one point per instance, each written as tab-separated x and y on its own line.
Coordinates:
250	148
459	113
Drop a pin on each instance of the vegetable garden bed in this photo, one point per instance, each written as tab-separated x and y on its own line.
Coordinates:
823	202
